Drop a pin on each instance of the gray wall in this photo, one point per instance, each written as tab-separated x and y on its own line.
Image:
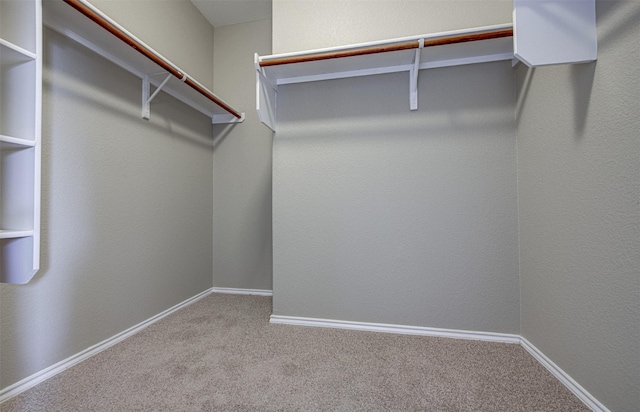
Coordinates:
303	25
579	195
126	216
242	252
385	215
173	28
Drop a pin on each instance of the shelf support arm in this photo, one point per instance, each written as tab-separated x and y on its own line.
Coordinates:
413	78
146	99
266	96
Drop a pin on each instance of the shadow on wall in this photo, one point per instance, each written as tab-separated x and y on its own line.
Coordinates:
221	132
606	9
459	97
582	76
117	100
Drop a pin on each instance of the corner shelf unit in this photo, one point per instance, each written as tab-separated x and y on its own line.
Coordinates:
544	32
87	25
20	139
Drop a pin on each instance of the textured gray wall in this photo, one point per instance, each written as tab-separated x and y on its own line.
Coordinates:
385	215
242	251
579	196
381	214
303	25
126	216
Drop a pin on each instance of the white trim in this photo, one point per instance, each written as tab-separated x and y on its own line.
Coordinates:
39	377
237	291
399	329
563	377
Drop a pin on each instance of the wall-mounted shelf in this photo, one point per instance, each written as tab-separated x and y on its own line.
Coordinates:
20	114
9	143
82	22
14	234
13	54
549	32
544	32
410	54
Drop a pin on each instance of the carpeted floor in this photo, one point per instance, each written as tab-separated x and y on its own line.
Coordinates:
221	353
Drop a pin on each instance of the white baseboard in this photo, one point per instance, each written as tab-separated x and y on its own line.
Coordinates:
38	377
400	329
236	291
580	392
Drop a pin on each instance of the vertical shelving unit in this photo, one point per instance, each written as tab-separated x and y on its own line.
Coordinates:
20	136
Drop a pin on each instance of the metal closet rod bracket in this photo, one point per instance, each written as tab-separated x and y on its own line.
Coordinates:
146	88
147	98
413	78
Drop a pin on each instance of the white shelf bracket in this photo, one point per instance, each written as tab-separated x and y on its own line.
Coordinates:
413	78
266	96
146	99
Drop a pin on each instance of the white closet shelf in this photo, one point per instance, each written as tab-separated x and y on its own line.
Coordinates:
410	54
82	22
12	54
443	49
8	142
14	234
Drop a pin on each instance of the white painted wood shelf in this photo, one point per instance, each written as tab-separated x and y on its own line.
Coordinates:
14	234
20	139
407	54
544	32
66	20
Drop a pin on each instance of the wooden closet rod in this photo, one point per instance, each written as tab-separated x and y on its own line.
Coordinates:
105	24
393	47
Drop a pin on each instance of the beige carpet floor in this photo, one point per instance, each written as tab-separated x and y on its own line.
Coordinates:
221	353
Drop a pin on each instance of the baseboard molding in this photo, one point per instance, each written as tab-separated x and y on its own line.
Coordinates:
237	291
38	377
399	329
564	377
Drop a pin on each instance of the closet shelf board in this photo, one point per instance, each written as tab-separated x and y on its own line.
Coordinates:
375	58
11	54
410	54
68	21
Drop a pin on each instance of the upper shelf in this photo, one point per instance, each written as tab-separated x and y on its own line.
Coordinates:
544	32
475	45
87	25
549	32
410	54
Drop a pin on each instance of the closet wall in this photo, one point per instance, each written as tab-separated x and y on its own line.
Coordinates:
579	195
242	253
304	25
126	213
381	214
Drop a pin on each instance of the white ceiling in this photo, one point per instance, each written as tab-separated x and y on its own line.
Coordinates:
226	12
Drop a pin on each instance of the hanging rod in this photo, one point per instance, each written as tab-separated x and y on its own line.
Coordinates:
394	47
139	47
